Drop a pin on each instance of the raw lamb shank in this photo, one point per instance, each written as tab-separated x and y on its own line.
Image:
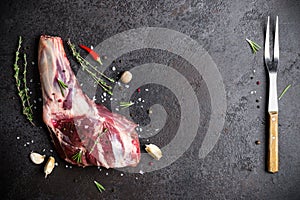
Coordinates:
84	133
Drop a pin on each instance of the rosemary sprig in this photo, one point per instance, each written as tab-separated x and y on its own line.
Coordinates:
62	86
255	47
86	67
126	104
23	92
78	156
97	139
99	186
284	91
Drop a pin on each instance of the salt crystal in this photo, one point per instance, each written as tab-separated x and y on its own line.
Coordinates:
147	140
67	166
30	92
18	138
92	47
104	94
32	63
251	92
40	99
141	172
70	167
117	109
102	101
143	100
106	173
81	84
34	101
56	164
44	150
51	150
142	106
27	143
34	107
140	99
127	86
24	145
31	141
111	99
254	71
86	126
122	174
113	68
30	80
141	129
157	129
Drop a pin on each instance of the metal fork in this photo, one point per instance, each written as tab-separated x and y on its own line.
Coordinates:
272	162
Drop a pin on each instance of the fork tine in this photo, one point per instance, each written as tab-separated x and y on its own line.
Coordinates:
276	42
267	42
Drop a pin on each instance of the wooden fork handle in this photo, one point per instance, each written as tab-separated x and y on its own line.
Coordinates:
273	143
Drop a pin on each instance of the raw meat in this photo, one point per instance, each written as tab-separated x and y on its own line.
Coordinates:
84	133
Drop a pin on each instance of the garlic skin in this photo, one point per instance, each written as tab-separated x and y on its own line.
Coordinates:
154	151
126	77
37	158
49	166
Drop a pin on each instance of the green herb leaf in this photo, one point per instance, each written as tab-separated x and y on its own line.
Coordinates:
23	92
284	91
62	86
126	104
78	156
255	47
99	186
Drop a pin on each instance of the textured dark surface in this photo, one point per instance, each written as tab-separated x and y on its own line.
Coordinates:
234	169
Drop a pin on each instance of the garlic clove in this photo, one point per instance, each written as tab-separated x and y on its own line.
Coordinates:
37	158
49	166
154	151
126	77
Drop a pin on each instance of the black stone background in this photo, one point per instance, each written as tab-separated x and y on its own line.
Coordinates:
234	169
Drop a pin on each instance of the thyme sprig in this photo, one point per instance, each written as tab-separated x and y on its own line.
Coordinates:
99	186
284	91
126	104
255	47
23	92
86	66
62	87
78	156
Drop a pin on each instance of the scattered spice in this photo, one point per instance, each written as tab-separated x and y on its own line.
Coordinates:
23	92
257	82
139	90
257	142
94	54
99	186
284	91
255	47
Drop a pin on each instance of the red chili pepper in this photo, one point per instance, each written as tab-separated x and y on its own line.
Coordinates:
94	54
139	90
